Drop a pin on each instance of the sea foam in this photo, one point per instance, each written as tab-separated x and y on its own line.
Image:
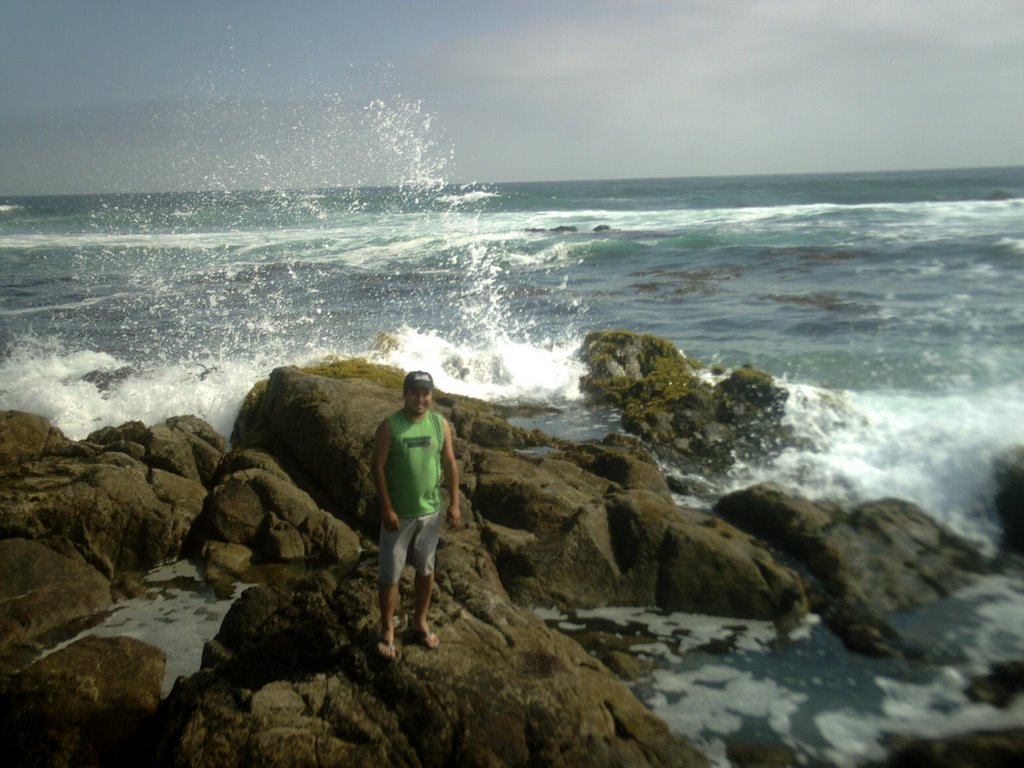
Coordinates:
935	450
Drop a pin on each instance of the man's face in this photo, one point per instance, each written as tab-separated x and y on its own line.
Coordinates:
417	401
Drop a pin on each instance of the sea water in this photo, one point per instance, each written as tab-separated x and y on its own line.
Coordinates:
888	304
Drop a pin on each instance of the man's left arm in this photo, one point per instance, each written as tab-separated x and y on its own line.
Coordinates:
451	471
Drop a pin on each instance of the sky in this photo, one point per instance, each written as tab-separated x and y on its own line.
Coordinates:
151	95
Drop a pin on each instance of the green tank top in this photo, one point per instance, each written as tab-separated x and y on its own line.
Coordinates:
413	470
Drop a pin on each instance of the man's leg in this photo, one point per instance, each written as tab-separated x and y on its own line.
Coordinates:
424	589
388	604
424	549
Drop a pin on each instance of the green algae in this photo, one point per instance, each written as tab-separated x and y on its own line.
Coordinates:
357	368
644	375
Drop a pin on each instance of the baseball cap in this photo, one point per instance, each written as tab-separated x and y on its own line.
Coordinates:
418	380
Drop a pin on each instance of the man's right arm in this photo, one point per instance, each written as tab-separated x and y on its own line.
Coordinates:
381	449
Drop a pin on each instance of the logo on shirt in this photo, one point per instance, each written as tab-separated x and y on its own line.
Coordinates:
417	442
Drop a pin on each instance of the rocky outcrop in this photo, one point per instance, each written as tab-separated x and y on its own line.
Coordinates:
81	705
321	430
880	557
124	498
75	514
292	678
702	422
547	517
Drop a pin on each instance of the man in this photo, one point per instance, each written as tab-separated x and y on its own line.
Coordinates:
409	450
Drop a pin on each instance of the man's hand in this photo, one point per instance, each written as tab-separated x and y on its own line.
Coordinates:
389	519
454	516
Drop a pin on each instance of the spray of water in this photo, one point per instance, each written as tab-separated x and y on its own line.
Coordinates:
310	225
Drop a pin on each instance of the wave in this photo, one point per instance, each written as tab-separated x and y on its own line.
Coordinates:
467	198
935	450
1015	245
7	208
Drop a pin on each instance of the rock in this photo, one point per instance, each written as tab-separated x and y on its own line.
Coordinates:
1001	686
1009	479
881	557
296	681
264	511
700	426
629	467
23	437
684	560
992	749
322	429
75	514
563	537
182	445
115	510
187	447
80	705
480	424
42	590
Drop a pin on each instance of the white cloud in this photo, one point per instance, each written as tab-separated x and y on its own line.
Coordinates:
733	87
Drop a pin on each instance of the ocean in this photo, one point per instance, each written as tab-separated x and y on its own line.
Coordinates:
889	304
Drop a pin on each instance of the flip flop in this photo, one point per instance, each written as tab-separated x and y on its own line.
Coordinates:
386	649
428	639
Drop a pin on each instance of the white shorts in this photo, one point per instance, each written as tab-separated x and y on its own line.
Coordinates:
419	533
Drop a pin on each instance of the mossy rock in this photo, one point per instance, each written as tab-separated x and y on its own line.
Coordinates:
666	401
644	375
357	368
332	368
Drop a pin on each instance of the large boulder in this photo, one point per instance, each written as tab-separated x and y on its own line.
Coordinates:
702	422
685	560
23	437
880	557
81	705
292	678
322	429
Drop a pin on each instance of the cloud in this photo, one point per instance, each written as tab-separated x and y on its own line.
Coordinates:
734	87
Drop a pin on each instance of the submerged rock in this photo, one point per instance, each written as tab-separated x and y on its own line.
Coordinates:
1001	686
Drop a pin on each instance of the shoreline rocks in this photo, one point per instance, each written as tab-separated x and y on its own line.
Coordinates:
881	557
292	674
